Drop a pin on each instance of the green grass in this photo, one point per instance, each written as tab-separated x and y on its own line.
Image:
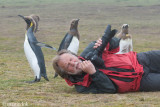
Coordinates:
55	15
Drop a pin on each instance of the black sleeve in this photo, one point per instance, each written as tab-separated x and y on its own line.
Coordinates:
65	42
100	84
88	49
114	43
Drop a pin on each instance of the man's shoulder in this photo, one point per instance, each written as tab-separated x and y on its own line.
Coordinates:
89	48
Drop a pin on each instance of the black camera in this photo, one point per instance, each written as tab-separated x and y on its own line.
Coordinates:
94	55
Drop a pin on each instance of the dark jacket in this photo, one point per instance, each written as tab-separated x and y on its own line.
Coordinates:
100	82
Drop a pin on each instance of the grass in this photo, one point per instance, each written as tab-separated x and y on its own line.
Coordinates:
108	2
55	15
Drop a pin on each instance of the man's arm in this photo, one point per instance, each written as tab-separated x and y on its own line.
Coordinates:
114	43
100	84
88	49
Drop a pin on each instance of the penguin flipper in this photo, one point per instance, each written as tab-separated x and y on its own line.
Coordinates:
44	45
65	42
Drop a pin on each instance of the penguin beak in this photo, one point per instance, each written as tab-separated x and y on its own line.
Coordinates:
21	16
26	20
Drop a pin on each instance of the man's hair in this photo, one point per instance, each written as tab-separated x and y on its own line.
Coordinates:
56	67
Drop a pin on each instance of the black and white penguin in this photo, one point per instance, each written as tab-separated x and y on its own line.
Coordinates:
71	39
33	52
125	44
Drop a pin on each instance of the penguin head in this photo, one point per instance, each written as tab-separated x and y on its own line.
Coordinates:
74	24
31	20
125	28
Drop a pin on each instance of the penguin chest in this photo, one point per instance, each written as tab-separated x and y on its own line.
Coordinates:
125	46
74	45
31	56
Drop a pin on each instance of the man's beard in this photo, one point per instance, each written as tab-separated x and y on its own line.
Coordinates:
76	72
76	69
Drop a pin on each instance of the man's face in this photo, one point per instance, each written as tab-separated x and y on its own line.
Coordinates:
70	63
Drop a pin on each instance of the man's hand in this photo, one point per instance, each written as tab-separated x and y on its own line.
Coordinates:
88	67
98	43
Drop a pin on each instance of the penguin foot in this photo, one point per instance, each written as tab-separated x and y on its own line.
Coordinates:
34	81
46	78
55	75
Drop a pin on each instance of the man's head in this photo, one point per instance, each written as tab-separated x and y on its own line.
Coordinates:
66	63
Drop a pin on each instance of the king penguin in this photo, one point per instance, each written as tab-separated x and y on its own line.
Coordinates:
71	39
125	44
33	52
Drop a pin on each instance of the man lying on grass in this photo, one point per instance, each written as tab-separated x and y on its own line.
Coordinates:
118	73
